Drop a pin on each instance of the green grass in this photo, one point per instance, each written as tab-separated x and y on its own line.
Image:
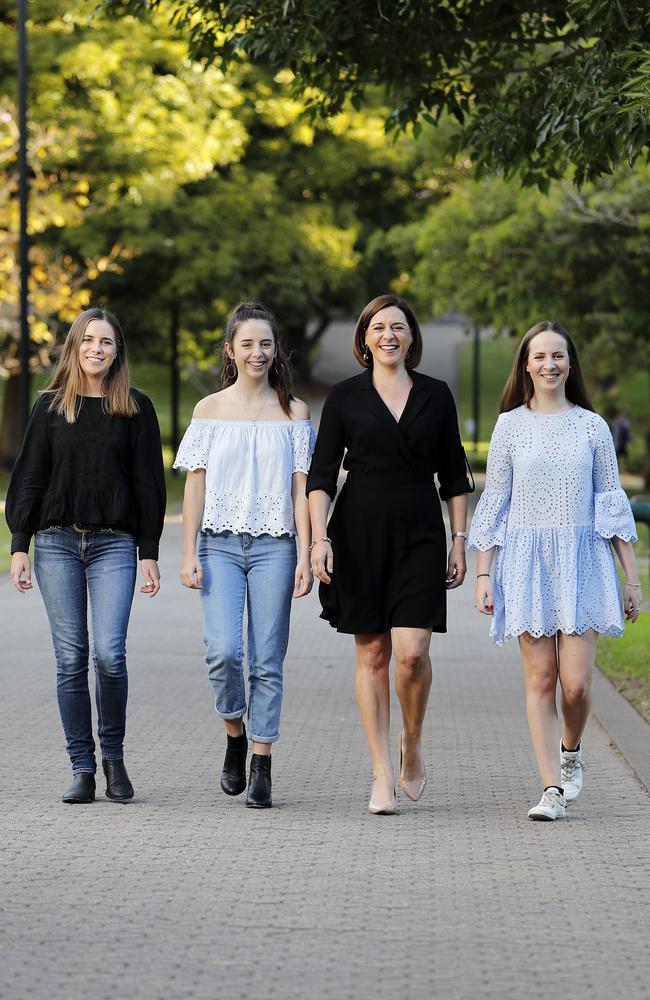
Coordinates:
627	664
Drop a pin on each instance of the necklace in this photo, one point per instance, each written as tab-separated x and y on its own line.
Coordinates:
259	411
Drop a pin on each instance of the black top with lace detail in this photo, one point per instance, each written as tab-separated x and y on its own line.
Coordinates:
101	470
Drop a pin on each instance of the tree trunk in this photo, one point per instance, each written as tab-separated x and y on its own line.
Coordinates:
300	345
11	424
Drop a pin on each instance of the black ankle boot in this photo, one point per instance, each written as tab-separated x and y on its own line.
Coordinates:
233	776
118	786
259	784
82	788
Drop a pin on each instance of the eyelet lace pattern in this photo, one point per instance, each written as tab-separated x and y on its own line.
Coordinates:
248	472
551	504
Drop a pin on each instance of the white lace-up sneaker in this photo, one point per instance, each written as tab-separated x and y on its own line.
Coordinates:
551	806
571	770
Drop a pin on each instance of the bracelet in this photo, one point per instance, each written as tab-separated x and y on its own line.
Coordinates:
632	584
318	541
479	575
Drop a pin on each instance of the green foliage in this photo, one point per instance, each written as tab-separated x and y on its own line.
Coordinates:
625	662
535	87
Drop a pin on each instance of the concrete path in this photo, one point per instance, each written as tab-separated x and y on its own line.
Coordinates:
185	893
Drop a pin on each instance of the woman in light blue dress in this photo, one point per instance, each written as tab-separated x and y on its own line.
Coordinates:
247	453
552	511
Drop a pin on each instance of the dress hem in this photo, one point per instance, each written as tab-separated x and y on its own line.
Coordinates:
612	630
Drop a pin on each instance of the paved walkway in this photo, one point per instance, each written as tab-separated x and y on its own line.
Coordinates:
185	893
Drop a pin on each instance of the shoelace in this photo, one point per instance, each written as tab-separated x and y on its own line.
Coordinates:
569	767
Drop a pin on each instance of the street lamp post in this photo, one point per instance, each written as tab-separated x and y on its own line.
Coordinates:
23	190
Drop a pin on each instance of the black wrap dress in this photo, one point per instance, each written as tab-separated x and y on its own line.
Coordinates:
387	531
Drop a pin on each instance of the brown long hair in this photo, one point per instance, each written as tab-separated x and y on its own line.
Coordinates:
364	358
519	391
68	381
280	375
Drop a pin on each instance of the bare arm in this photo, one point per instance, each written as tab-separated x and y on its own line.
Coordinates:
632	590
193	503
456	564
304	580
322	558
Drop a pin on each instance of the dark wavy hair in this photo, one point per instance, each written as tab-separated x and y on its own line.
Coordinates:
414	353
280	375
519	390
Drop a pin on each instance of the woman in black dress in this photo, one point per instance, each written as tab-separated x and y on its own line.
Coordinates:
382	561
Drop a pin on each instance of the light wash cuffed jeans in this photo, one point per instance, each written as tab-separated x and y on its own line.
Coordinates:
256	572
70	567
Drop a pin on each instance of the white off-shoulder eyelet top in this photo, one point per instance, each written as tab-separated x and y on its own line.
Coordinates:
248	469
551	505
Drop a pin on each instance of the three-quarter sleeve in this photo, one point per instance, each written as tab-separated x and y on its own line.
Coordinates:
329	448
488	527
612	512
29	479
452	463
303	439
194	449
148	479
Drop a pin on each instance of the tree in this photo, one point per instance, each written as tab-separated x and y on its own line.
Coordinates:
535	86
507	257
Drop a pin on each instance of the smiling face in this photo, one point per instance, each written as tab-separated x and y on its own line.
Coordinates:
252	348
389	337
548	363
97	351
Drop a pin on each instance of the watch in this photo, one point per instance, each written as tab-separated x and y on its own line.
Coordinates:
459	534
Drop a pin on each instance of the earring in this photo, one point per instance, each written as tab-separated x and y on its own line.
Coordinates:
230	370
279	365
365	354
409	353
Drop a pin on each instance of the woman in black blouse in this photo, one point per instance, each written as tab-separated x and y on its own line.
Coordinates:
384	569
89	484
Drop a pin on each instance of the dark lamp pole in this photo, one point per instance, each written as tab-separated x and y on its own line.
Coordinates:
23	189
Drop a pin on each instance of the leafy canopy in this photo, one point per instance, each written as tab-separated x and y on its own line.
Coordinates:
537	85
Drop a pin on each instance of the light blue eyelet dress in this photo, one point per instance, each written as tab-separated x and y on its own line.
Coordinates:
551	505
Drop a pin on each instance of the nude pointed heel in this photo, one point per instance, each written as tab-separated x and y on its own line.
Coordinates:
414	787
379	808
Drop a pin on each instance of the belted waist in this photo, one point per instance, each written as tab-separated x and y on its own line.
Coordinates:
388	483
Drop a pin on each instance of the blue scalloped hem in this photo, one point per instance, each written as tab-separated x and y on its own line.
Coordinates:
612	630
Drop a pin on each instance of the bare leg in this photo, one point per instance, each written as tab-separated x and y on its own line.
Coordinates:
539	657
412	683
576	660
372	689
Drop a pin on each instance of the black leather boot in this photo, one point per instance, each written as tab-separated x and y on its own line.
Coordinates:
82	788
118	786
259	784
233	776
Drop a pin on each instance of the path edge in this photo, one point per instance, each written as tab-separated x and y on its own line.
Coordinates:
627	730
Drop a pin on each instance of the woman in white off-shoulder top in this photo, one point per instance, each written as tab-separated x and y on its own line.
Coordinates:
247	453
552	509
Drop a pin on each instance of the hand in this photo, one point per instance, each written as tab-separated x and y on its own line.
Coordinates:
456	564
484	596
303	580
322	561
192	572
151	577
631	602
20	565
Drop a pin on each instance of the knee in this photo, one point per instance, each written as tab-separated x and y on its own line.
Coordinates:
219	658
541	683
374	659
576	692
411	664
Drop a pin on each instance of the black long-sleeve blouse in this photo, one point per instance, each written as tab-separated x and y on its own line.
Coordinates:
101	470
425	440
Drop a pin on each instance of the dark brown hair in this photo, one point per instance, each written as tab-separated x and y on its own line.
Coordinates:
68	382
519	390
280	375
414	353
